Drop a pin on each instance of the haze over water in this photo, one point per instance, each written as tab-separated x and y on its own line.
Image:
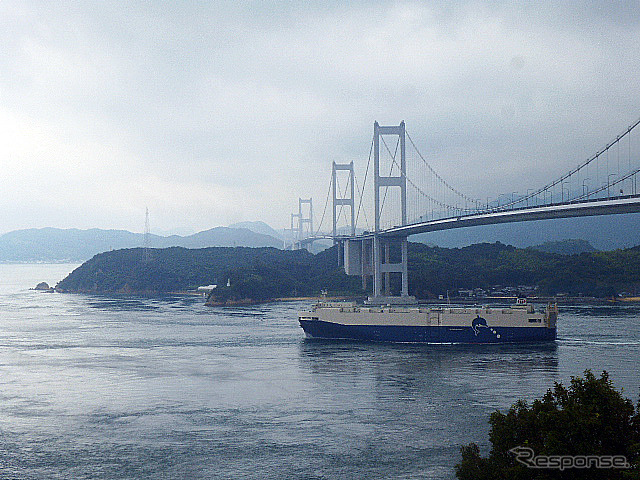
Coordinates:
114	388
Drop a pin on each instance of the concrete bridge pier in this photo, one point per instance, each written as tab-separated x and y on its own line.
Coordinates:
375	257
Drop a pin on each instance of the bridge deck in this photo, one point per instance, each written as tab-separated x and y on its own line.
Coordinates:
584	208
610	206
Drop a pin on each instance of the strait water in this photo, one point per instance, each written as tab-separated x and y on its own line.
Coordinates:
130	388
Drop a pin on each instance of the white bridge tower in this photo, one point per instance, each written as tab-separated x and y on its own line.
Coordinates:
371	255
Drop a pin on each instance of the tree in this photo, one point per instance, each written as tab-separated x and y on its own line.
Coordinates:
589	418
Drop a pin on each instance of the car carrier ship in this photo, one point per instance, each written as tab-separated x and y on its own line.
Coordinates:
519	323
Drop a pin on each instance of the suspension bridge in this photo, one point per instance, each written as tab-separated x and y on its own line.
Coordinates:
409	196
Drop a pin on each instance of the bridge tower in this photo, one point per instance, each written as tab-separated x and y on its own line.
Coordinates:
338	198
382	267
372	254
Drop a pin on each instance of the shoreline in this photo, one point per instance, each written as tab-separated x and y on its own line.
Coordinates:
562	300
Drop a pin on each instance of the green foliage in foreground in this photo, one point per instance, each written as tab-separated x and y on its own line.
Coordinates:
265	273
588	418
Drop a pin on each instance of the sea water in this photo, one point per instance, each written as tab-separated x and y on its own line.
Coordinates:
129	387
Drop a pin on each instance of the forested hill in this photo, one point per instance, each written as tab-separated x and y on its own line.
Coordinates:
255	273
434	270
267	273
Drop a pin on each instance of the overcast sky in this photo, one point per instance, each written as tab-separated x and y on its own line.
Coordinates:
210	113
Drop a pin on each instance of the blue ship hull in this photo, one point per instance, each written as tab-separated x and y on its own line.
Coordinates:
424	334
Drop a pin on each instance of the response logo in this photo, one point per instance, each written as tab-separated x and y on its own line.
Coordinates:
527	457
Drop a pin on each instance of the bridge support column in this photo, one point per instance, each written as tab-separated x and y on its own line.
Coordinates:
377	270
405	267
364	262
387	275
361	256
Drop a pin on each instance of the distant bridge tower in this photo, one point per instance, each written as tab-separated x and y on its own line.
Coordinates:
304	220
302	224
295	231
338	198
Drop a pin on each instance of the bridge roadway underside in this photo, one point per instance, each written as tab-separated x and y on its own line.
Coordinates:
618	205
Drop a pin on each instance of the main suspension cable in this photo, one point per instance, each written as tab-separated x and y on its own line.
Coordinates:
324	211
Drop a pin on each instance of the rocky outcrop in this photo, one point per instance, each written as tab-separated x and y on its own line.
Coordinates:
43	287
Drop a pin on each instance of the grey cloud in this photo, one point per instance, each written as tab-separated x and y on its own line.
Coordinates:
257	98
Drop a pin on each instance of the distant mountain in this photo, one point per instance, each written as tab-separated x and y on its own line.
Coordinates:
54	244
219	237
258	227
565	247
607	232
72	245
